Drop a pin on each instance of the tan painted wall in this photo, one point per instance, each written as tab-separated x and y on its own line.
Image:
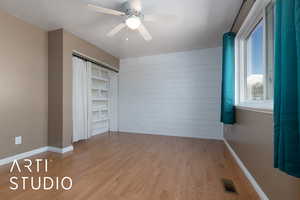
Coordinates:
60	63
55	87
23	85
252	139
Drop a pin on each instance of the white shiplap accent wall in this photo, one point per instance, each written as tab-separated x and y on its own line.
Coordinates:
172	94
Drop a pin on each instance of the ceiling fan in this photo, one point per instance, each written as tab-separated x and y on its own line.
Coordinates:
132	14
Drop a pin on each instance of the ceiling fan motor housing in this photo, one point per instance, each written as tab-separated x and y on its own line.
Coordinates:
130	11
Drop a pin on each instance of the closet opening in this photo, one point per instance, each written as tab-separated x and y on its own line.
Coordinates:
95	94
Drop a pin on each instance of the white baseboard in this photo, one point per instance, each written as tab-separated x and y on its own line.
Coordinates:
10	159
61	150
251	179
173	135
100	131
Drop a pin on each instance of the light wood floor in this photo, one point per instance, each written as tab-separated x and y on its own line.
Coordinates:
140	167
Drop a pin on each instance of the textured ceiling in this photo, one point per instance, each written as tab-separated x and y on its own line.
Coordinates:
198	23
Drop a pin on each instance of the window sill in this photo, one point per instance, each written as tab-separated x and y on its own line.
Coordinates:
262	107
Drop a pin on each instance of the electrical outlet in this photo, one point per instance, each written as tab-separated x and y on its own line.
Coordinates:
18	140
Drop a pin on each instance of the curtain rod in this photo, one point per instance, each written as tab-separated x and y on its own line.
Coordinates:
238	14
93	61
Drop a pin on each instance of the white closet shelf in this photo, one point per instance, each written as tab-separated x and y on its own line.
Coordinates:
102	89
99	78
100	120
100	108
100	99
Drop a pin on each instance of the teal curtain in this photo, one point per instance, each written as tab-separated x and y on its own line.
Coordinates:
287	87
228	65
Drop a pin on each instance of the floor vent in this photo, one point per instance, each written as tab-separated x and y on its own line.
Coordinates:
229	186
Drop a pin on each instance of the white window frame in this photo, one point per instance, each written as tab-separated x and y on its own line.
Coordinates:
255	16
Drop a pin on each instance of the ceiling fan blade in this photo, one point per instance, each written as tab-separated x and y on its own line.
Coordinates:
106	10
136	4
144	32
159	17
115	30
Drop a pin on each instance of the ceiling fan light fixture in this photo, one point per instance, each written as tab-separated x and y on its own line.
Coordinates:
132	18
133	22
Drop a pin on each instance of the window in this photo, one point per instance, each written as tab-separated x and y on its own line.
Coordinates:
254	57
255	69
